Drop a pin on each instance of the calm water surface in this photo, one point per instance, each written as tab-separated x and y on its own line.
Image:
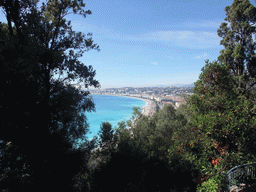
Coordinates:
112	109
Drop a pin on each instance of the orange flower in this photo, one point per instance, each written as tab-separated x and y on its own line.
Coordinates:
216	161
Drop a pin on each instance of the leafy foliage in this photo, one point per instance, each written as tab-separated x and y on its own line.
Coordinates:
221	122
237	38
43	112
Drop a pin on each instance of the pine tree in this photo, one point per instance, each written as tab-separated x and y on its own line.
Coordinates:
237	38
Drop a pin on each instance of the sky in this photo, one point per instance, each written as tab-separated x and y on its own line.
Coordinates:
153	42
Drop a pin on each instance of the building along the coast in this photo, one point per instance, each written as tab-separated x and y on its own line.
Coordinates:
163	95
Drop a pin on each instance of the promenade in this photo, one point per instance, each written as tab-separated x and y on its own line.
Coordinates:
150	108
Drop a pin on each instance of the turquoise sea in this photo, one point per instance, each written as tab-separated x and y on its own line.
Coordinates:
112	109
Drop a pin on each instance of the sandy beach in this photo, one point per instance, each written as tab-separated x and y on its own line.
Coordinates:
149	108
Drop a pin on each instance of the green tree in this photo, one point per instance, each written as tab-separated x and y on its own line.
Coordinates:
136	112
237	38
155	134
222	111
145	149
222	124
43	112
106	133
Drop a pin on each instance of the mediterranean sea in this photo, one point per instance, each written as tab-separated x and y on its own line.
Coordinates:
112	109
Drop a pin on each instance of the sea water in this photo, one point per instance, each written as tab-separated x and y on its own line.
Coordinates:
113	109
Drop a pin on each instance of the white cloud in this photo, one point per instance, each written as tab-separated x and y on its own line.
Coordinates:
154	63
185	34
200	56
204	24
192	39
181	38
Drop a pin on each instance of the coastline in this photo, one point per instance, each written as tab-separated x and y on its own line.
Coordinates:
149	107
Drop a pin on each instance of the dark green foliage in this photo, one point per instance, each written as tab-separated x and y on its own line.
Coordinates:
42	113
220	129
106	132
221	123
184	171
155	134
136	112
123	173
142	162
130	169
223	98
237	38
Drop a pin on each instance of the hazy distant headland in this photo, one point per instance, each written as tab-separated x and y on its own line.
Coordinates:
177	85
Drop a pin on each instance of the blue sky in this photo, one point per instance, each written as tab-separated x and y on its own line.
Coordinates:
153	42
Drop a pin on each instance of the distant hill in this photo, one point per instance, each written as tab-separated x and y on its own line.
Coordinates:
190	85
172	85
177	85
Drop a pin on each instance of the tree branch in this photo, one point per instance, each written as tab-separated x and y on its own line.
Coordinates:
249	87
